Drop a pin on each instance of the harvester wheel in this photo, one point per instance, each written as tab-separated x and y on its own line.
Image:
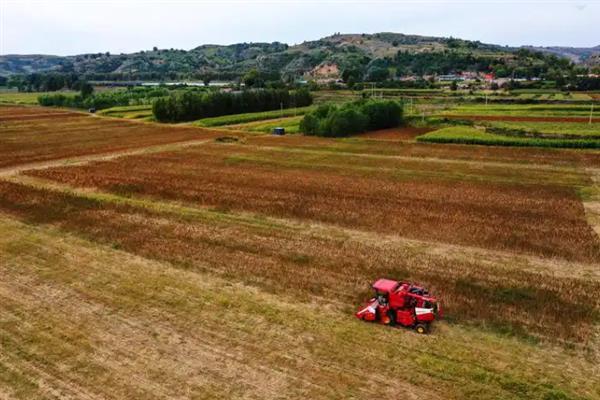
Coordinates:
392	318
421	329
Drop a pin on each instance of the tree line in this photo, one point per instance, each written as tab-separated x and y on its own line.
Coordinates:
189	105
45	82
335	121
88	99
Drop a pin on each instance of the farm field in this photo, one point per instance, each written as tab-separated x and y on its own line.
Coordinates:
34	134
549	130
502	136
291	125
384	194
142	112
230	266
574	112
251	117
23	98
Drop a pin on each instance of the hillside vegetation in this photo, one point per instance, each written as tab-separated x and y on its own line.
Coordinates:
360	56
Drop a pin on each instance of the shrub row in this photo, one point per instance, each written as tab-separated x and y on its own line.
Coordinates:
189	106
359	116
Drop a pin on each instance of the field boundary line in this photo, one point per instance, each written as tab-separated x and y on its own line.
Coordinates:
591	205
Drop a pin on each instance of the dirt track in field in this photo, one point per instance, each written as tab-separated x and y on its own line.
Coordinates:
520	119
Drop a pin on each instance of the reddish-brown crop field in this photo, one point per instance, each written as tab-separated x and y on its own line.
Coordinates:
33	134
297	260
493	207
486	154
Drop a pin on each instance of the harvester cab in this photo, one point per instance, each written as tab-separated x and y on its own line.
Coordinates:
401	303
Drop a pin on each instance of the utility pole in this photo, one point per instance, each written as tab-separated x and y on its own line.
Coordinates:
591	113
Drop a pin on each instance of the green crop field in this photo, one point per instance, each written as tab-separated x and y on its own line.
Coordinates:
251	117
143	111
524	110
469	135
547	129
25	98
291	125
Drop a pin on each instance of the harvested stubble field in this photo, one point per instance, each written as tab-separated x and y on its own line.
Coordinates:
233	270
33	134
82	320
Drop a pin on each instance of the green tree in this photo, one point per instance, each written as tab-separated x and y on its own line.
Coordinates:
253	78
86	89
333	121
346	121
378	74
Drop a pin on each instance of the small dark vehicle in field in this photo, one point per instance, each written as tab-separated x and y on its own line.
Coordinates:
401	303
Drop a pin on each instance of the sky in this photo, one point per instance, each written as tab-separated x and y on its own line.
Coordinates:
64	27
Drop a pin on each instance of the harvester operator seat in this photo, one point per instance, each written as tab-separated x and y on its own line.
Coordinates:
382	299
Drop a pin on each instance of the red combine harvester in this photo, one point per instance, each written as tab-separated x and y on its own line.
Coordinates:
401	303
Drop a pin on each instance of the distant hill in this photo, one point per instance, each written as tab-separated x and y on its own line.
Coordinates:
578	55
363	53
